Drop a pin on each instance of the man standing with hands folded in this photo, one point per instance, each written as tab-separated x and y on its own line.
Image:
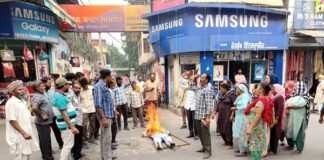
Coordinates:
204	108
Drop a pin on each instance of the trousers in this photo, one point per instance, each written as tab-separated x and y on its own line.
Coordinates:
123	110
204	136
105	141
68	140
44	137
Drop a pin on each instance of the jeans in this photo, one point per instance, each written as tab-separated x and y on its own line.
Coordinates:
68	139
44	136
123	110
78	142
105	141
57	132
89	126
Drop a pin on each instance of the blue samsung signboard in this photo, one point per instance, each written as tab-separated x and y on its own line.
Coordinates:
217	29
27	21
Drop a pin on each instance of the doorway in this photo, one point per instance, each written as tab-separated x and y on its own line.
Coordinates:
236	65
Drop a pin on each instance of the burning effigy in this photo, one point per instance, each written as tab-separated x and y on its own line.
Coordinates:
158	134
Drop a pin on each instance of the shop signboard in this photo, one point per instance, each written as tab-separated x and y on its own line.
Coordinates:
208	29
309	14
274	3
107	18
259	72
27	21
164	4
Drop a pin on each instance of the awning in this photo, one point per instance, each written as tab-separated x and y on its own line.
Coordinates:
52	5
312	33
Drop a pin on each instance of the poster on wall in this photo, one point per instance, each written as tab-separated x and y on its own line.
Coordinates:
42	69
218	72
75	61
259	71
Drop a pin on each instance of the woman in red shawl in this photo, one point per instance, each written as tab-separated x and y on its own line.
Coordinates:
259	114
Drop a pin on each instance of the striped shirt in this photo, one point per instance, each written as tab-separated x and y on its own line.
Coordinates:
204	101
120	94
60	103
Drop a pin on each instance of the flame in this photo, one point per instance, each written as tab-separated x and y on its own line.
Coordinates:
153	125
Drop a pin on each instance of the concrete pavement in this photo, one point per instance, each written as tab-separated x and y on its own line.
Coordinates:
133	146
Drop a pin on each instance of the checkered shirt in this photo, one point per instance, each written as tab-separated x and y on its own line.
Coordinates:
120	95
204	101
103	99
135	99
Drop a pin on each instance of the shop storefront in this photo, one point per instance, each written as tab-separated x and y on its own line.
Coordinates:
306	47
27	33
225	37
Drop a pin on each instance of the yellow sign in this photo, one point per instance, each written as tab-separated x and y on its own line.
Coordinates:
319	6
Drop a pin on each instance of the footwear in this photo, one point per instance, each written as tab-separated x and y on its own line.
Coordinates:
183	126
296	152
201	150
113	157
126	128
218	134
241	155
61	147
93	142
282	144
288	148
114	144
237	151
85	146
172	145
190	136
228	147
207	156
143	126
134	127
159	147
113	147
196	138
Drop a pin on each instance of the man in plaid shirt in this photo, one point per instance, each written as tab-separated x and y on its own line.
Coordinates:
121	102
204	108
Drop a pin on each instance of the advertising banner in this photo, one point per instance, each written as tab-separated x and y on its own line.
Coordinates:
218	72
107	18
164	4
309	14
26	21
274	3
259	72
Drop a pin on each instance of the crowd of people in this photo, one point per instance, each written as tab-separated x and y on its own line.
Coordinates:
254	122
77	112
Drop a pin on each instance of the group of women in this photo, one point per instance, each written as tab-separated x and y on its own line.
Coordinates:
257	121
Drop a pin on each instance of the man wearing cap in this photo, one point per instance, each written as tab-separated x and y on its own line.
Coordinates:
105	109
65	116
19	132
44	118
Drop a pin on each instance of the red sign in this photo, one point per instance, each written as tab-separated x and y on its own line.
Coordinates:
164	4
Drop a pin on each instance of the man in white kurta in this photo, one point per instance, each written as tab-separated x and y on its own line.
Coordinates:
19	132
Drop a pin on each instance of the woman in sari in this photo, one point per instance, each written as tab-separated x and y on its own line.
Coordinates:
279	106
259	114
224	123
241	102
